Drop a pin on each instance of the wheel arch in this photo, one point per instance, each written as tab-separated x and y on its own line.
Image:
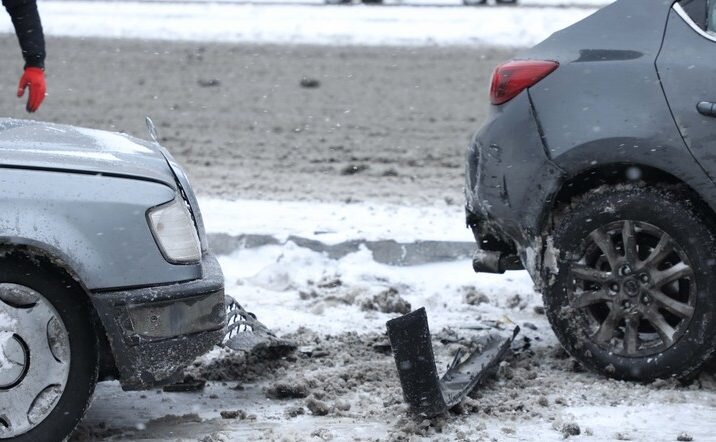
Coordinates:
32	249
54	260
623	173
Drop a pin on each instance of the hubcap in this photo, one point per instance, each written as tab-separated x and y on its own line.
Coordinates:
34	359
634	289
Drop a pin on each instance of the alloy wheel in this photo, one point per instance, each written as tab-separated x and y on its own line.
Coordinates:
634	289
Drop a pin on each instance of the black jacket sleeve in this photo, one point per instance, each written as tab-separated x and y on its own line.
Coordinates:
28	29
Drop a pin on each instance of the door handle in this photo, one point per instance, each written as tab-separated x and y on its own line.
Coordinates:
706	108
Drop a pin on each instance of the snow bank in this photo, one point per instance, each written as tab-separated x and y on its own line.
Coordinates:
7	326
288	287
332	223
304	24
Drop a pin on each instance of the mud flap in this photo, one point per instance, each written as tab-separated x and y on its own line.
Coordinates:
413	352
245	333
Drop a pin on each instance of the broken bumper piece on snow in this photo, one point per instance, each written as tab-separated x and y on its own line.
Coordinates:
426	394
245	333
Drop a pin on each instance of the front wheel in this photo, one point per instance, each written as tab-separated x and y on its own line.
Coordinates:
48	351
635	291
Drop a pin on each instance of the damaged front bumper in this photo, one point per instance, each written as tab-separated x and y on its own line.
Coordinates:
155	332
413	352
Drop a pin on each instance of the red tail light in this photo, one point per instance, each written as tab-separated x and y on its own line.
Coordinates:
513	77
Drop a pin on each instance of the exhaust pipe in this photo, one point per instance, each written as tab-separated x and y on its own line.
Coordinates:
487	261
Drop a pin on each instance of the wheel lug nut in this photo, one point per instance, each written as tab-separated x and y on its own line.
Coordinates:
614	287
644	278
626	270
646	299
627	304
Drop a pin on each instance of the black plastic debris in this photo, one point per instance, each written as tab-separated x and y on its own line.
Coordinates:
413	352
188	385
245	333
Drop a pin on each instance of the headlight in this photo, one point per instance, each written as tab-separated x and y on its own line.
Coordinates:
174	231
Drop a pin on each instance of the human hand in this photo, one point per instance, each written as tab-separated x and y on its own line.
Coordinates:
33	78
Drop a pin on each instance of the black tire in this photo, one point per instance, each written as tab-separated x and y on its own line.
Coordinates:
649	319
65	295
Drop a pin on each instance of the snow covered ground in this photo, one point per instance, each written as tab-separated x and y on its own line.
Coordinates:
304	24
346	389
406	3
332	223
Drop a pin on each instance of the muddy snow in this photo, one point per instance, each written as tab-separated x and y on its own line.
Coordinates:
341	384
385	124
378	139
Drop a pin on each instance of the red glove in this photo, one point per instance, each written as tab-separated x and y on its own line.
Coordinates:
34	78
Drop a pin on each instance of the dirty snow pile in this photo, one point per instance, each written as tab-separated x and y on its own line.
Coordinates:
7	328
303	24
289	287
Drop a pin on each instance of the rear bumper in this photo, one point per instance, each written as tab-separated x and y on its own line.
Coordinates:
510	183
155	332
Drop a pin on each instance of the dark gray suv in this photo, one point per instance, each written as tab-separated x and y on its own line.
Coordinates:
595	172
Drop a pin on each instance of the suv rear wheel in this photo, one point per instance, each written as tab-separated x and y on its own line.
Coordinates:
635	292
48	351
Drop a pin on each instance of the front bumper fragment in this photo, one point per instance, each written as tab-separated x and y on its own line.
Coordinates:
245	333
155	332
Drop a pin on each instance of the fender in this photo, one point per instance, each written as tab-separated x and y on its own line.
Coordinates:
95	224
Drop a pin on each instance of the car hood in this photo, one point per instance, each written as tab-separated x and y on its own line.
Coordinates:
38	145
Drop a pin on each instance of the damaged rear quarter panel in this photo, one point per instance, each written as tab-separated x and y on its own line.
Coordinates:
514	178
